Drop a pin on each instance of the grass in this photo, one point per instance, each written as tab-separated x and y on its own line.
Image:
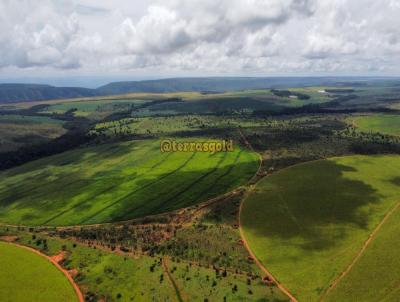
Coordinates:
238	101
306	223
172	124
28	120
19	130
26	276
383	123
115	182
118	277
203	284
375	277
106	275
95	109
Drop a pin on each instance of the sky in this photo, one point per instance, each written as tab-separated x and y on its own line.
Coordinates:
145	39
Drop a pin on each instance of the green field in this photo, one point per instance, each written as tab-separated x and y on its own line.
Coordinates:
171	124
383	123
19	130
376	275
107	275
189	102
115	277
307	223
92	109
116	182
199	284
25	276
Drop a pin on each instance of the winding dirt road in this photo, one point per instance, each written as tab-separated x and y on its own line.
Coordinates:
58	266
245	243
171	279
259	264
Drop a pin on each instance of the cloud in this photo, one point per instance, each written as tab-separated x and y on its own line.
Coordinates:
208	36
159	31
41	38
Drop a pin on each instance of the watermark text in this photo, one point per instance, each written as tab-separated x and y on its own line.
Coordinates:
209	147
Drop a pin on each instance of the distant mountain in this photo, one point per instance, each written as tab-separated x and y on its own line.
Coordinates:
11	93
212	84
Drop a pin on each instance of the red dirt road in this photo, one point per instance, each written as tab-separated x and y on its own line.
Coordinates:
259	264
53	261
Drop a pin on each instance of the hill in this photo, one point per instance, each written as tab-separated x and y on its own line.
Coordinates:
11	93
211	84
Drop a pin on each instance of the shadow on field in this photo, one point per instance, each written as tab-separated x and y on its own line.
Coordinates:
395	181
103	185
171	191
311	205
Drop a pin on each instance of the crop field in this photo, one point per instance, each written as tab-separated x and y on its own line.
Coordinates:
307	204
308	222
118	277
19	130
383	123
107	275
173	124
376	275
28	277
190	102
93	109
114	182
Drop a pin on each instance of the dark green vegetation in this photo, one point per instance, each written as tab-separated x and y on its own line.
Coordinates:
19	130
116	182
126	276
307	223
26	276
12	93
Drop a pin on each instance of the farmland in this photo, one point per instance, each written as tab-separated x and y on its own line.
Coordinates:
386	124
168	125
311	187
380	260
127	277
26	276
92	109
19	130
307	223
116	182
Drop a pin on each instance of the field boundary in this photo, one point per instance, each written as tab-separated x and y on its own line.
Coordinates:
371	237
57	265
172	280
258	263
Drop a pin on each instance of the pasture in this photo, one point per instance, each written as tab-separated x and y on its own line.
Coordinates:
19	130
375	277
115	182
172	124
26	277
383	123
127	277
95	109
307	223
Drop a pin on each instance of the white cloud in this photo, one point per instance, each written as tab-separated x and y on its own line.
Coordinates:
160	31
207	36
